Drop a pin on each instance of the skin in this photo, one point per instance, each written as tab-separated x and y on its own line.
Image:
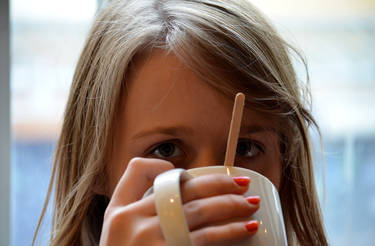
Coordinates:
162	93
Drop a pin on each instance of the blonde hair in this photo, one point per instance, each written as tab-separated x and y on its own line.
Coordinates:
226	42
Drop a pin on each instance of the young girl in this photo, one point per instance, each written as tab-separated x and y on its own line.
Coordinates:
154	90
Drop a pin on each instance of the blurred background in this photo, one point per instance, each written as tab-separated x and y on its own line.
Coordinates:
337	37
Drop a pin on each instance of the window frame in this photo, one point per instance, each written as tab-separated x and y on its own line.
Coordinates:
4	124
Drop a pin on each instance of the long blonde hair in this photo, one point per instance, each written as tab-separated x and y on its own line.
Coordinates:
226	42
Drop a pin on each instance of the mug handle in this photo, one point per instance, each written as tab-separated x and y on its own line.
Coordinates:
169	207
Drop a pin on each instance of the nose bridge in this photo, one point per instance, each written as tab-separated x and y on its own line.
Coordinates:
207	157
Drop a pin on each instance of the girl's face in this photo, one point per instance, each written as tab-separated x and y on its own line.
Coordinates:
168	112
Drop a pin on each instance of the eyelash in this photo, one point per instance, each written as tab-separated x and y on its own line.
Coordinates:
175	142
259	148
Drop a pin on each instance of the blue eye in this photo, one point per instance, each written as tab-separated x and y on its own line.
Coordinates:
167	150
248	149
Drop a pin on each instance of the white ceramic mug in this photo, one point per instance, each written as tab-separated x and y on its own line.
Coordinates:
168	203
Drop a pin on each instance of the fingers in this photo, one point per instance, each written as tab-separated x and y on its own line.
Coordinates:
145	206
124	227
212	185
207	200
225	234
127	219
137	178
203	212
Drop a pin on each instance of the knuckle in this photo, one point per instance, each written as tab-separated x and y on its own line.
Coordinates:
236	203
232	199
205	237
116	216
225	183
135	162
232	230
233	233
222	179
144	163
194	208
144	230
223	236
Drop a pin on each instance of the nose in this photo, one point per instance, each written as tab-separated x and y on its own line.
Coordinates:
207	157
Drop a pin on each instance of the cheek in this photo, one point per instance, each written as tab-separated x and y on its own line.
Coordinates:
271	164
275	174
114	174
270	168
274	170
116	165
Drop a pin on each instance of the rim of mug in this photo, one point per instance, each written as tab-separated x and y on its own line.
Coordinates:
234	167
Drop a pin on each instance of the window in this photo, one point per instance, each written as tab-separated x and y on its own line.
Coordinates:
338	40
46	39
337	37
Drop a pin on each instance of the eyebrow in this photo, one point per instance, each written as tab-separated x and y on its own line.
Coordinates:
188	131
257	128
172	131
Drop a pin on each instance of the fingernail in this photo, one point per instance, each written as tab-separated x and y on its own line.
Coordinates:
242	181
253	199
252	226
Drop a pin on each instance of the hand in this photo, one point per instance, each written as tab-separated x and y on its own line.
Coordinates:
207	200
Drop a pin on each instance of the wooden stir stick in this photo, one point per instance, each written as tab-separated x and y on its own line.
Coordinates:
234	130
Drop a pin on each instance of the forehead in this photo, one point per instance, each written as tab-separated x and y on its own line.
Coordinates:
162	91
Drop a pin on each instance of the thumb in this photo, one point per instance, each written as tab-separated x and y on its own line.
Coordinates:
137	178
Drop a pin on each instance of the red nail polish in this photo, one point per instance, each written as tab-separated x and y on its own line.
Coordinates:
252	226
242	181
253	199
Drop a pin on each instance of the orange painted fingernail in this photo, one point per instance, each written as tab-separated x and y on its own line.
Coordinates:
253	199
252	226
242	181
